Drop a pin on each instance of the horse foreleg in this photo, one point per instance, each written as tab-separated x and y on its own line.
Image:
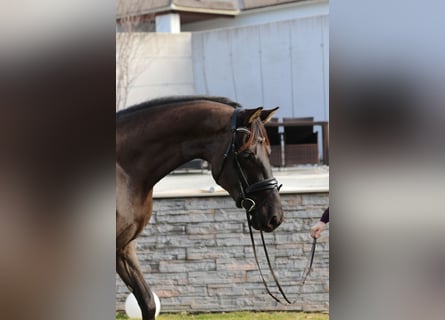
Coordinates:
128	269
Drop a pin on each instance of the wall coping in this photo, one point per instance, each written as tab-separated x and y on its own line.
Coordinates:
311	179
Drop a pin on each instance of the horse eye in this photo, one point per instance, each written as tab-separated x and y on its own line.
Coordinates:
247	155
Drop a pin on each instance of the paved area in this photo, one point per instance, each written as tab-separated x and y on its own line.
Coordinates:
199	183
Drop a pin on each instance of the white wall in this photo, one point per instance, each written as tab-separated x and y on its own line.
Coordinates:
162	66
282	63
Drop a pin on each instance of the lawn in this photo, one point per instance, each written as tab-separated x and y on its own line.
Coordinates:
242	316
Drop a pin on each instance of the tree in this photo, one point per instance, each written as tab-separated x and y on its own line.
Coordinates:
130	23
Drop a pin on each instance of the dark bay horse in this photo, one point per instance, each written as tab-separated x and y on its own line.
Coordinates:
155	137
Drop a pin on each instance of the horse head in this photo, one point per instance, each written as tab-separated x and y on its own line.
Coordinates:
243	169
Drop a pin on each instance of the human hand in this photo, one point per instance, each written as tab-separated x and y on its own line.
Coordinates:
317	229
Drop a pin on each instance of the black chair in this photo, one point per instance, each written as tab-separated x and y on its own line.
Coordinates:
300	143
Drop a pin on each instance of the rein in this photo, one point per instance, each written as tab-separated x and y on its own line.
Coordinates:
249	205
306	272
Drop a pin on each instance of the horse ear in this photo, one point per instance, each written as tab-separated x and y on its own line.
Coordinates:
266	115
250	115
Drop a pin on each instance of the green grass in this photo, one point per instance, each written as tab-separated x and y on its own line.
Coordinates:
241	316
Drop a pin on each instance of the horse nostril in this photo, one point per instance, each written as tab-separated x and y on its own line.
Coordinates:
274	221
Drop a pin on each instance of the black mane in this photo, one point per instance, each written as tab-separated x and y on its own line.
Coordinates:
170	100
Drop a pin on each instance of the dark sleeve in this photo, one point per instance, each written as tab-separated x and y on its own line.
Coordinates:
325	217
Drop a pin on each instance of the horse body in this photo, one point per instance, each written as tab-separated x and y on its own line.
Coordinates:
154	139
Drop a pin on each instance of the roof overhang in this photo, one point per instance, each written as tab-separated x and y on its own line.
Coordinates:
155	7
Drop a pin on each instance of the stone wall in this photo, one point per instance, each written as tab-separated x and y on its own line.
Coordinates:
197	255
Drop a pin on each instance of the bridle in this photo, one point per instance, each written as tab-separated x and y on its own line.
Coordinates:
246	189
249	205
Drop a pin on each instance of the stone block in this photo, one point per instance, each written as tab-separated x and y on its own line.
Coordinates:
216	277
213	227
186	266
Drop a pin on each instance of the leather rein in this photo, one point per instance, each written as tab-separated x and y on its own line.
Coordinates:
249	205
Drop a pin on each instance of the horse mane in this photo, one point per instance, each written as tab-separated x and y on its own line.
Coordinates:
171	100
257	130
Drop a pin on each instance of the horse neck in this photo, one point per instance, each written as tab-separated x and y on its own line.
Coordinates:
175	136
